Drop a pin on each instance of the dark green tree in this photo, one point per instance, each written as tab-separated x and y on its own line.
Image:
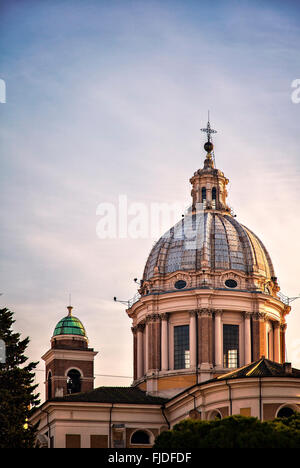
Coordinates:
17	389
232	432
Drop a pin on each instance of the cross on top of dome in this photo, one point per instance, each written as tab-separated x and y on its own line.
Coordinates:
208	130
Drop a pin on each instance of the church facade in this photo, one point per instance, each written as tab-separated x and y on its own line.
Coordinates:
208	332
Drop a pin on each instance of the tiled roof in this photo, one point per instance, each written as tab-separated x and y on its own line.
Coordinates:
262	368
129	395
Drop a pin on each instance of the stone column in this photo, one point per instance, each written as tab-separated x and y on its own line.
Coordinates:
259	335
193	338
247	337
205	335
133	329
276	335
218	338
140	350
271	341
146	347
282	342
164	342
154	341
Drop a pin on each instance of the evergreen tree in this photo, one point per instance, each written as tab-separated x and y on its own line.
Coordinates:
232	432
17	398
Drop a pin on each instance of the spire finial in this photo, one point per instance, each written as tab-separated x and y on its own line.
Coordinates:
69	306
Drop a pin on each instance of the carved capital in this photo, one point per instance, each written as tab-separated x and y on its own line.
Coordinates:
259	316
140	326
193	313
218	312
205	312
165	316
153	318
247	315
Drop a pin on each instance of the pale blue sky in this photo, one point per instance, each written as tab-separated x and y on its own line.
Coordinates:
107	98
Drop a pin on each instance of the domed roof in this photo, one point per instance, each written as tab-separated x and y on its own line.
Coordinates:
210	238
69	325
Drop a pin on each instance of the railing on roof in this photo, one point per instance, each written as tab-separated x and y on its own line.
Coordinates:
285	299
134	299
131	301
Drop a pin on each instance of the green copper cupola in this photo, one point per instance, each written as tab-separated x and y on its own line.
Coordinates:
69	325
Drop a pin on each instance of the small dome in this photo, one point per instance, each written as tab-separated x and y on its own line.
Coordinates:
218	238
69	325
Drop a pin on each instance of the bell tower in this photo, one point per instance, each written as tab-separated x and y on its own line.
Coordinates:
69	362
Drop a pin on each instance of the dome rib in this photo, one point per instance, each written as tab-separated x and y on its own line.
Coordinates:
222	244
260	253
246	246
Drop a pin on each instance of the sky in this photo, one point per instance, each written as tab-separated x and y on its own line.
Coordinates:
105	99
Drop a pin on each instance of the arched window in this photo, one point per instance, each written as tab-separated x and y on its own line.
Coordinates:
73	381
203	194
140	437
285	412
49	383
214	415
214	197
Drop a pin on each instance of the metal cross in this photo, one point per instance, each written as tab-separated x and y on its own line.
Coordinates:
208	130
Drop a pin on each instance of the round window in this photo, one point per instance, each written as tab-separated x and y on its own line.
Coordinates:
230	283
180	284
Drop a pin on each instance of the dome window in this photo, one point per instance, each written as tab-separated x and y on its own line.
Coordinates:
203	193
230	283
180	284
214	197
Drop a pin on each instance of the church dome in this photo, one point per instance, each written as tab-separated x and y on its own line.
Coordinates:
212	239
209	239
69	325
